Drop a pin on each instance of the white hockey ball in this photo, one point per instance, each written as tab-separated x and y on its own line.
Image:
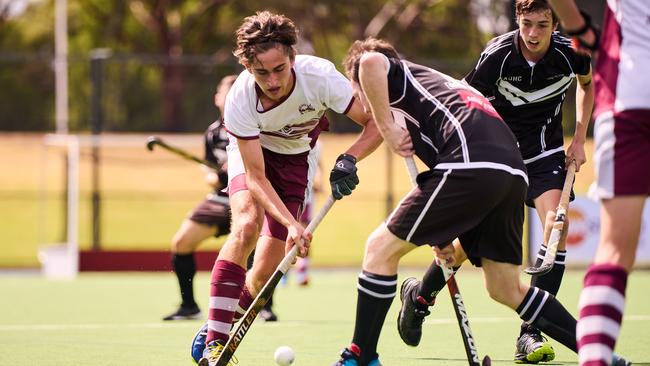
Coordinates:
284	356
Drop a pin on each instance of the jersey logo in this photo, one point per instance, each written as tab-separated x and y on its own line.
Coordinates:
304	108
513	78
294	131
473	100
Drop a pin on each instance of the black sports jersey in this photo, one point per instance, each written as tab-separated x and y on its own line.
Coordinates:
529	98
450	123
215	142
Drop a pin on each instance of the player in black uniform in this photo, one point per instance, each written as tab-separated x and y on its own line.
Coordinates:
474	189
210	218
525	74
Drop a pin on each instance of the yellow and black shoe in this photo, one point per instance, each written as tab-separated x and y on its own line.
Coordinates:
212	352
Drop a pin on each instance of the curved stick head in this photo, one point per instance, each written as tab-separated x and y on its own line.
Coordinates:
486	361
151	141
538	271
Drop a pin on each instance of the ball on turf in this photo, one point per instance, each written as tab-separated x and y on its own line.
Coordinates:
284	356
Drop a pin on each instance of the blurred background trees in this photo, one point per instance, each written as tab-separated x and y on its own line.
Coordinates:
166	56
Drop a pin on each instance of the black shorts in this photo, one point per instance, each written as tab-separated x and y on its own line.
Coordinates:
482	207
545	174
213	213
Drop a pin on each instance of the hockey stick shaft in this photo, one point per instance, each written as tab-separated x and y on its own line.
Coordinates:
559	225
153	141
454	292
262	297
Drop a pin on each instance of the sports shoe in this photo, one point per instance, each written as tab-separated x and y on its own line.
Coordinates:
411	315
268	315
350	357
620	361
532	347
198	343
185	313
212	352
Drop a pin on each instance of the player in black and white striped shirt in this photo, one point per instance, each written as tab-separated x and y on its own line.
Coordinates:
474	189
526	74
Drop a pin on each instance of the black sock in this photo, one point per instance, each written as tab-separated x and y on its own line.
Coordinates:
185	269
549	282
552	280
269	304
432	282
375	295
542	310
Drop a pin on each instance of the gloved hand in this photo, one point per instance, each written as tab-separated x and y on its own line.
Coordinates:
343	177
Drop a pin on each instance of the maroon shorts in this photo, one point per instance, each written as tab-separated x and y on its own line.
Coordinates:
288	176
212	213
623	153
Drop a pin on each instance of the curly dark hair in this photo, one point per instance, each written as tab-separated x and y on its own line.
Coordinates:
531	6
358	48
263	31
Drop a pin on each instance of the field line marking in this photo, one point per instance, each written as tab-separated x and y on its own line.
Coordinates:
57	327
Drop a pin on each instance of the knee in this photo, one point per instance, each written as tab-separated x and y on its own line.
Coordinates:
182	245
381	249
246	231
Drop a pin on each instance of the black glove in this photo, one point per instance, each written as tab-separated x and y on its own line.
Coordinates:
579	32
343	177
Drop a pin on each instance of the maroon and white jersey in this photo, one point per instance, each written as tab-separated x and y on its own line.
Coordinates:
622	73
285	128
622	113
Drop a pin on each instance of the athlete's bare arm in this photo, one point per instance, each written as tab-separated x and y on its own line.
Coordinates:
584	106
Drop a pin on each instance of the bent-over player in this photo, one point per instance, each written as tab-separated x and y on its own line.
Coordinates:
273	116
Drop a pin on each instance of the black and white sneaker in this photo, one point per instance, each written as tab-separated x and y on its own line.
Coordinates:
185	313
411	314
268	315
620	361
532	347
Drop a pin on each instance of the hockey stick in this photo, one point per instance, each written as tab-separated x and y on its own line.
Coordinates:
245	323
152	141
558	225
454	293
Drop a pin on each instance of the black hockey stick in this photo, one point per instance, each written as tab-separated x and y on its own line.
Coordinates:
152	141
456	298
558	225
245	323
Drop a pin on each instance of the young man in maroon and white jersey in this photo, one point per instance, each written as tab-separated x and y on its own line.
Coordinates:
273	115
622	158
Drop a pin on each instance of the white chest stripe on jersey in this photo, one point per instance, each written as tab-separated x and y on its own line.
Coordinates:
441	107
519	97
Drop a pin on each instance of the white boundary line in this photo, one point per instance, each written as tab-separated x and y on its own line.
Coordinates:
58	327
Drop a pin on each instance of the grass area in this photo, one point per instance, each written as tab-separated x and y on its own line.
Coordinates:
114	319
146	195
